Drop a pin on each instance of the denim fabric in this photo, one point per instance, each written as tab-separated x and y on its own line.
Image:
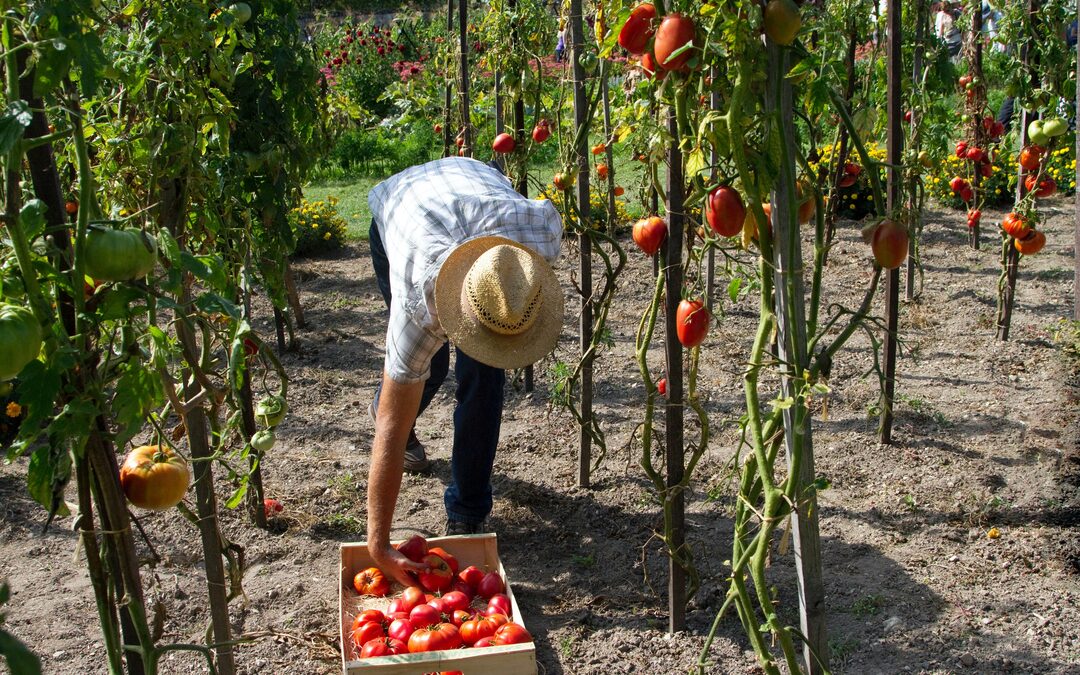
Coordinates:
477	417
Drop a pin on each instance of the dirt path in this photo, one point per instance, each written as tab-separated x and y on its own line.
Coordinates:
984	436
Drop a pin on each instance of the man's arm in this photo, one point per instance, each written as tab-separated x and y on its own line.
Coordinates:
398	404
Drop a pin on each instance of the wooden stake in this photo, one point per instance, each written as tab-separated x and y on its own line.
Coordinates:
463	43
894	158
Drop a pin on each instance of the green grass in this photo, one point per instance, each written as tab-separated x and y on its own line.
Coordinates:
352	202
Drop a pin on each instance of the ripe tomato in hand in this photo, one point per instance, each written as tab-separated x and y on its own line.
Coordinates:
725	211
414	548
691	322
649	234
435	638
438	576
447	556
371	581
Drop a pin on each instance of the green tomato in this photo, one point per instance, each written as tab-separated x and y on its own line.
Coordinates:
1055	126
1037	134
119	255
271	410
241	11
589	62
263	440
20	340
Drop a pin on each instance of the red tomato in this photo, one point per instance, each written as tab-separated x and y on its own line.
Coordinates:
676	31
847	180
725	211
1015	225
440	606
691	322
471	575
371	581
448	557
602	171
154	477
272	507
414	548
367	632
485	642
397	606
511	634
499	602
400	629
661	386
383	647
479	627
1044	188
455	600
961	149
368	616
649	234
435	638
637	31
503	144
890	244
422	616
1032	243
648	64
438	576
460	616
411	597
71	207
463	588
491	584
541	133
957	184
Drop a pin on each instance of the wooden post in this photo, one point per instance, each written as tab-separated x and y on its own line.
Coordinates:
255	493
581	112
609	153
917	81
448	115
714	158
978	135
523	179
463	86
1010	257
832	208
894	157
673	412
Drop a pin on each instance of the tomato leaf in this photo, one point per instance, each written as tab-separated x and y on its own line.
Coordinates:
13	124
733	288
46	476
138	392
20	660
37	392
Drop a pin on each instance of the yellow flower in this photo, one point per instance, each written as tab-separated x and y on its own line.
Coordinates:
993	533
13	409
327	236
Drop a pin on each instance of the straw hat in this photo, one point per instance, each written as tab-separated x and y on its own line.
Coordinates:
500	302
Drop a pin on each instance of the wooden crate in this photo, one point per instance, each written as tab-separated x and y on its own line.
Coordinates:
480	550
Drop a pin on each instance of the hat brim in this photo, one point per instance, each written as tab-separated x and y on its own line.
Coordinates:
476	340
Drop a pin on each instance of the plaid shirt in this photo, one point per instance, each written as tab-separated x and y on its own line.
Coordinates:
422	213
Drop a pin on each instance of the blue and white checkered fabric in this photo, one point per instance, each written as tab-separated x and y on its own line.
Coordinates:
424	212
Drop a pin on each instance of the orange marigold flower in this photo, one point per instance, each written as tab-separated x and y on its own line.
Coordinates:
13	409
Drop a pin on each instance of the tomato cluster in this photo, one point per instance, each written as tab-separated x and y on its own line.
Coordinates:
464	608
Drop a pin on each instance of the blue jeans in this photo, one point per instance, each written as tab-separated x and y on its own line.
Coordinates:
477	417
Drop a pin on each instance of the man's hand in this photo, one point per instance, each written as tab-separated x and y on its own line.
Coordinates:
396	565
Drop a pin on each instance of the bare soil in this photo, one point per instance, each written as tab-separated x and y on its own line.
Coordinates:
985	437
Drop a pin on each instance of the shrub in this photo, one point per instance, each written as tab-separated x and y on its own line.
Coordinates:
856	201
317	226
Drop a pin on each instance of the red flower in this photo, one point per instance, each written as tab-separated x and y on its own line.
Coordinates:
326	53
414	70
337	61
381	51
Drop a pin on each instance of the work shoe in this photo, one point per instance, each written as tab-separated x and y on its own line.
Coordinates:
456	527
416	459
